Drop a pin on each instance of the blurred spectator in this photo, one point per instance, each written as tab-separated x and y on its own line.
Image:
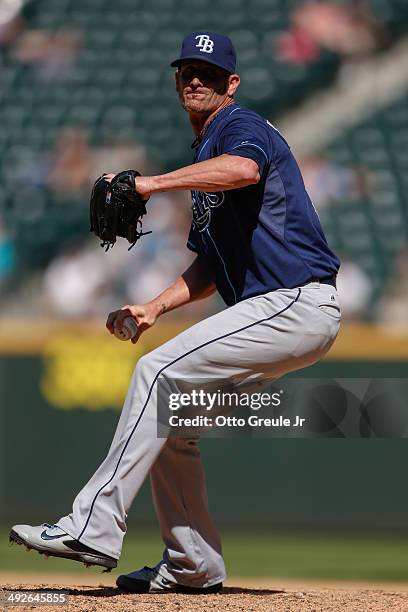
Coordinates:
118	155
71	161
393	307
50	55
32	170
328	181
325	180
72	166
7	257
75	282
355	290
158	259
346	30
85	281
297	47
11	23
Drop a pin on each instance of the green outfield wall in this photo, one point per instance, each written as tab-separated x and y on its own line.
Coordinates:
60	399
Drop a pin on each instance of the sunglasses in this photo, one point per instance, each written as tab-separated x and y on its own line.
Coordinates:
204	73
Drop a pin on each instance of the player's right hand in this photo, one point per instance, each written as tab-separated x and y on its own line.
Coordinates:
144	315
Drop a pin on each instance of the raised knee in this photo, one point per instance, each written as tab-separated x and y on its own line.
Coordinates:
144	365
150	363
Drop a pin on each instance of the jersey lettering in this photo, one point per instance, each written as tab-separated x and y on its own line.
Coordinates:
202	204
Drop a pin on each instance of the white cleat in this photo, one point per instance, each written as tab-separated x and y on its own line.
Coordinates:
52	541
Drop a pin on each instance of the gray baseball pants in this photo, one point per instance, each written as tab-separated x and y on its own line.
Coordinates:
267	335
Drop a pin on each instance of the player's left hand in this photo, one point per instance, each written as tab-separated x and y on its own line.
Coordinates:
141	185
108	177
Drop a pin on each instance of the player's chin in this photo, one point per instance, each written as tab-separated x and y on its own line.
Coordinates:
195	105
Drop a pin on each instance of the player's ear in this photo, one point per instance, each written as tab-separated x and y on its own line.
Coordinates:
233	84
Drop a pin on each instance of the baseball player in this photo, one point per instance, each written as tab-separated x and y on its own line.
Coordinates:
259	243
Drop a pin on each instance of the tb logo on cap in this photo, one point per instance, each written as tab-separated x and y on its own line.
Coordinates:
205	43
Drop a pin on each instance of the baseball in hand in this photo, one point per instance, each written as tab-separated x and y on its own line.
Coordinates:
128	330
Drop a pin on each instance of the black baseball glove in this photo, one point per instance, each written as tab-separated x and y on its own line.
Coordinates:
117	209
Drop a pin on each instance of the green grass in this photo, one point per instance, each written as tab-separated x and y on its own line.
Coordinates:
254	555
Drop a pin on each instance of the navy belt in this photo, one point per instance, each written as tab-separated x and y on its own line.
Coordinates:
327	280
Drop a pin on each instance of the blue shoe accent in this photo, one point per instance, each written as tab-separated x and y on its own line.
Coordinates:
45	536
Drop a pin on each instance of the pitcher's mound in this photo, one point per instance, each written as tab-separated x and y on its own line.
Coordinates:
97	593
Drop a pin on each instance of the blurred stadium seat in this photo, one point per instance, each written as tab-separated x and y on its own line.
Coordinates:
372	231
118	82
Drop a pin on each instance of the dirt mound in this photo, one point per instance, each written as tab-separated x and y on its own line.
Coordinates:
232	599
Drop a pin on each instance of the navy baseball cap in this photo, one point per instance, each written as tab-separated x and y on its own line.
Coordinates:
209	47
